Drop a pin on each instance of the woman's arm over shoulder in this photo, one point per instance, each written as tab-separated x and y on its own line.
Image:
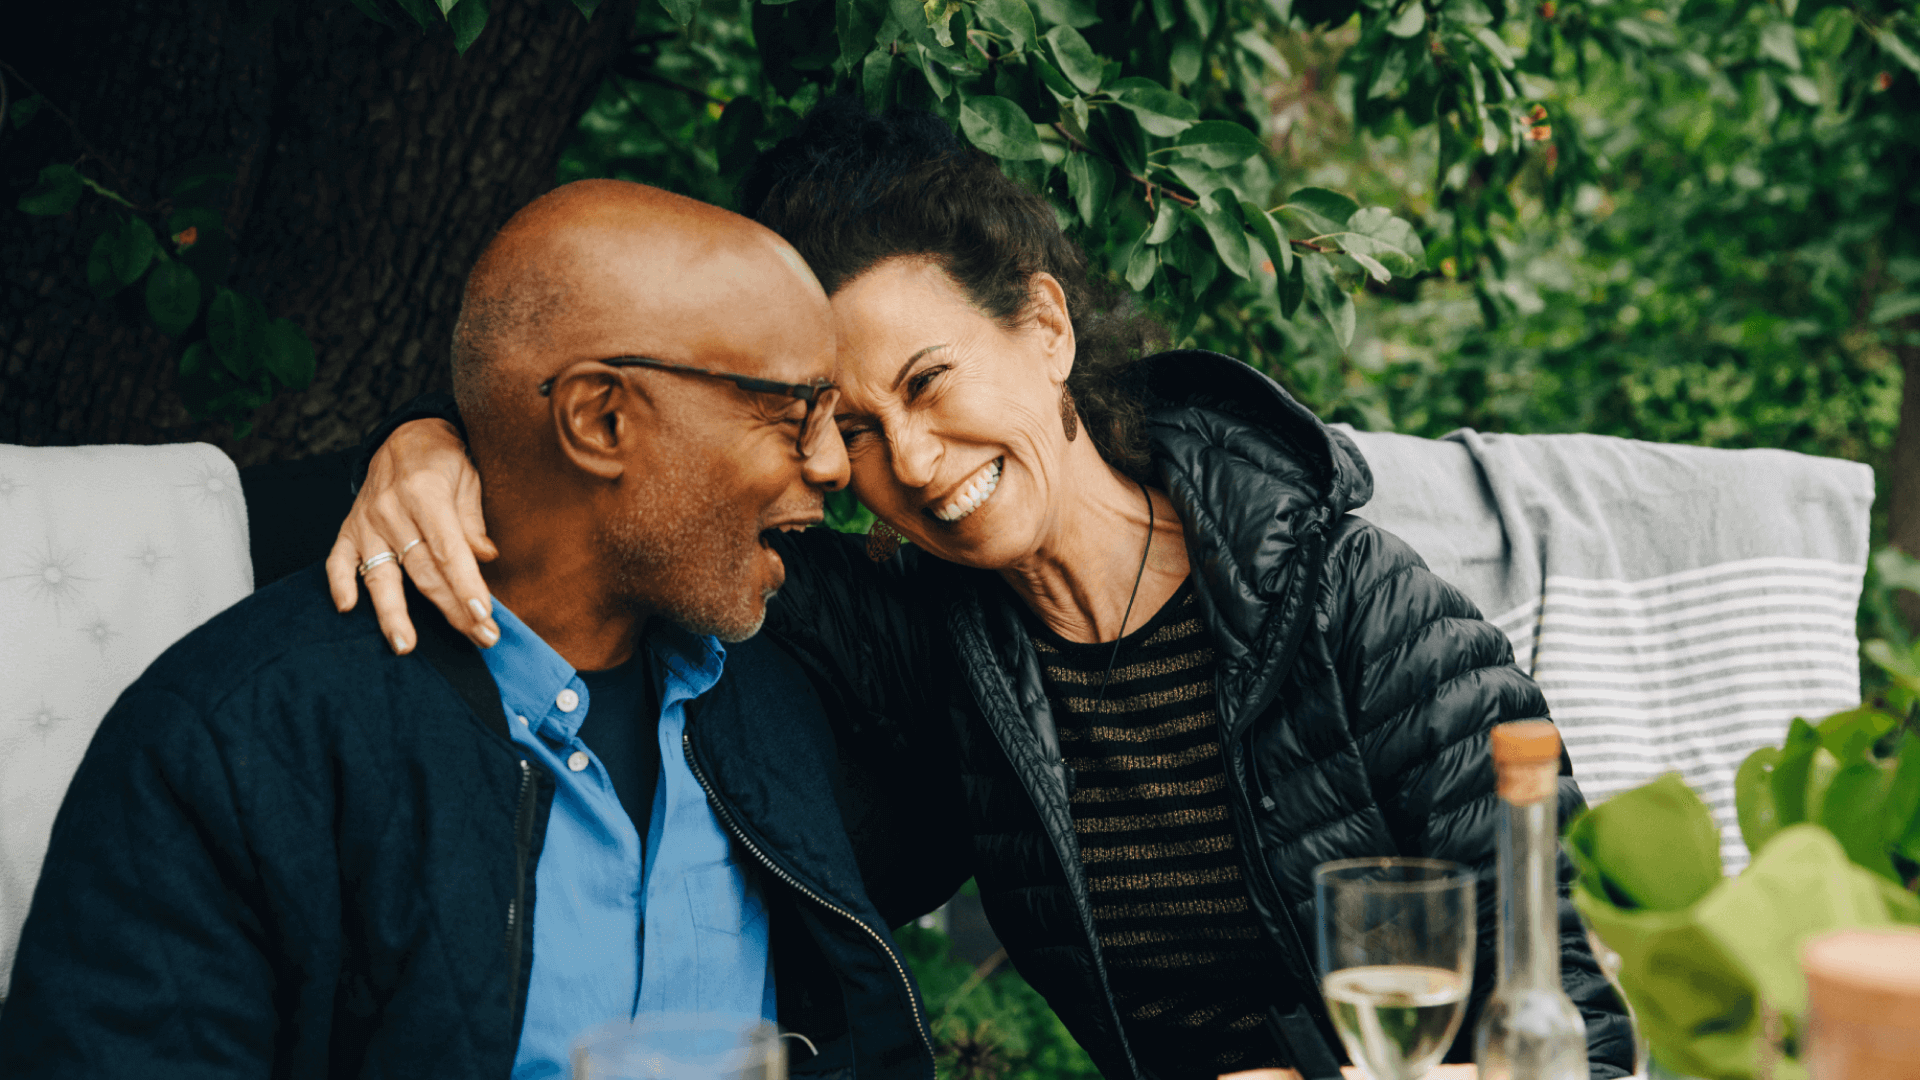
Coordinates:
1426	678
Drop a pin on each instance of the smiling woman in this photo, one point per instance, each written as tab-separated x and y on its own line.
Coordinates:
1175	673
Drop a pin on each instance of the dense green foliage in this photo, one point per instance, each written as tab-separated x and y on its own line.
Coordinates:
987	1021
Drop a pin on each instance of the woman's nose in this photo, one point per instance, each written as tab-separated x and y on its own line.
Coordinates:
915	454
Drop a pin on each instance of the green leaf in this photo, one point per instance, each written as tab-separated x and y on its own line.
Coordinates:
1411	20
938	78
1012	14
1055	82
1293	289
1000	128
876	77
22	112
681	11
1849	736
289	356
1777	43
939	15
1805	90
1090	182
100	276
1375	235
1166	222
1158	109
1889	40
1076	58
1074	13
237	330
1391	72
587	8
1327	295
1851	811
1495	46
1220	216
197	361
1894	306
55	192
134	250
1272	236
1655	846
1467	12
424	14
1218	143
173	297
467	19
1753	797
857	22
1142	263
1322	211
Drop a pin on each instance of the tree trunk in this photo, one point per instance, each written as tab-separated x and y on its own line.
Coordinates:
374	164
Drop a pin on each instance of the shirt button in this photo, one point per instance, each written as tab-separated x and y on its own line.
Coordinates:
577	760
568	701
523	721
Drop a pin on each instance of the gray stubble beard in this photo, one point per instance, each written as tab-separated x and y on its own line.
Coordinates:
687	569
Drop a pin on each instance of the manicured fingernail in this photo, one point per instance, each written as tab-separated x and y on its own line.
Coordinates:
479	609
488	634
399	643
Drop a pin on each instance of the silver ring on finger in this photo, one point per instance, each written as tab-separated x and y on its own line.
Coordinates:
409	547
383	557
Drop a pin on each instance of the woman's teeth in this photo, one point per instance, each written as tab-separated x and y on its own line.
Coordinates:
976	493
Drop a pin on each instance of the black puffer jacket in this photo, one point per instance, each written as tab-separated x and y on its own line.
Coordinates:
1355	692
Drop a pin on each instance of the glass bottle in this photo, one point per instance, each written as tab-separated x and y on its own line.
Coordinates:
1529	1028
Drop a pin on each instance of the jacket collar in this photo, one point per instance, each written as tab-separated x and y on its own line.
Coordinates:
1259	481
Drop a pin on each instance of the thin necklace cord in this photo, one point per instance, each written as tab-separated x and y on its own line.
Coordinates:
1131	597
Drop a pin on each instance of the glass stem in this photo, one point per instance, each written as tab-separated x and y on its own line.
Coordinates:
1529	923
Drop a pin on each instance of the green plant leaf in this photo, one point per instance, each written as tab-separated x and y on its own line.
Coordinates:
1272	236
1000	127
1079	14
1166	222
1327	295
173	297
1373	234
1391	72
1014	15
1753	798
197	361
1293	289
1142	263
1495	46
289	356
1654	847
1849	735
100	276
1777	43
1090	182
237	330
1889	40
681	11
1410	21
587	8
1791	773
1220	216
467	19
1076	58
1218	143
55	192
22	112
939	80
1852	812
1322	211
1159	110
134	249
1894	306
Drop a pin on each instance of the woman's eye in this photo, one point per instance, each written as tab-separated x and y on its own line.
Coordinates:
920	382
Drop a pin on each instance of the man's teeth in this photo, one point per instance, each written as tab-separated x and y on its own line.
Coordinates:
976	493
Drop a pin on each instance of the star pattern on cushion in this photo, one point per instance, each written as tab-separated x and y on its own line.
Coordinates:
52	576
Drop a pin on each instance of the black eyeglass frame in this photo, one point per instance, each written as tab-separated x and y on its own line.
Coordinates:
809	392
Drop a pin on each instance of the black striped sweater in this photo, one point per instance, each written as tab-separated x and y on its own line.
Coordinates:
1185	953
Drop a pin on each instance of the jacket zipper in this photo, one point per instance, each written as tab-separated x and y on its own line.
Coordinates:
733	828
523	839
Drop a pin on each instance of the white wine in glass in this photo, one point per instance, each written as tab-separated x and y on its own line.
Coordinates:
1396	939
670	1046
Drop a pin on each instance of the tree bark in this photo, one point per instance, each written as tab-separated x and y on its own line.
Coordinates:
1903	479
374	164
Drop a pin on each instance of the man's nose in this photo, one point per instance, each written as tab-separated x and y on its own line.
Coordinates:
826	468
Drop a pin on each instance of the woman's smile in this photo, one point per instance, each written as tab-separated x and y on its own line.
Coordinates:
977	490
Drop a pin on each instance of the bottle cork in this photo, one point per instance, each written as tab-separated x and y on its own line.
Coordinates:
1526	755
1863	998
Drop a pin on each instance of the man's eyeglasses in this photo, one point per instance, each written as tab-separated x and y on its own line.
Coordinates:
821	396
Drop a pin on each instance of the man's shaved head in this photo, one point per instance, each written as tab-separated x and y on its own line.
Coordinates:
664	483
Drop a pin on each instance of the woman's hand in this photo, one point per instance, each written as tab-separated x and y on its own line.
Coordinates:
421	501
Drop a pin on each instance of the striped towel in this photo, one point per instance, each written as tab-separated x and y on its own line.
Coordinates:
1678	605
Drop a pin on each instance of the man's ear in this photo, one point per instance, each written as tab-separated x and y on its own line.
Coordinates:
592	409
1047	307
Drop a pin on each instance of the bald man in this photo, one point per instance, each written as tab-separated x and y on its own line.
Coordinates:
290	852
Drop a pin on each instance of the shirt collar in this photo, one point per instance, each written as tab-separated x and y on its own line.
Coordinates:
532	677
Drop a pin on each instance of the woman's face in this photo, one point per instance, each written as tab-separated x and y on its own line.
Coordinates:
952	421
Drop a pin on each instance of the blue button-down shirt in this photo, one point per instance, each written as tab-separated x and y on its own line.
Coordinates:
614	934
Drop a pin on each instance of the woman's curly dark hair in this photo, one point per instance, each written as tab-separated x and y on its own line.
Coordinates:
853	189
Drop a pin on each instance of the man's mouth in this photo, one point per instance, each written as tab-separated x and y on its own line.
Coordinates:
977	491
766	535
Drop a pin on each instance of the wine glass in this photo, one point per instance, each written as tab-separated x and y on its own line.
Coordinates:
1396	954
681	1046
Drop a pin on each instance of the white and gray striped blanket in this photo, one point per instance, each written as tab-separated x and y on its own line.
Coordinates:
1678	605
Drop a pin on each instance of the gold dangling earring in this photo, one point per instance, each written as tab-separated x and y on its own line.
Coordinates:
1069	416
882	541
